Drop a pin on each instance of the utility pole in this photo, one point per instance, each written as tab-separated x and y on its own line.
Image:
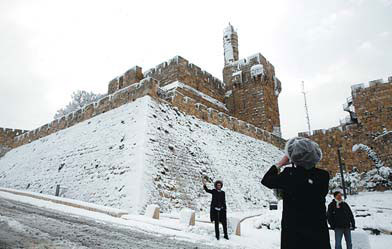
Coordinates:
342	174
306	107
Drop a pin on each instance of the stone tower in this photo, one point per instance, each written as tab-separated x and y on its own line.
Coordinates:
252	88
230	44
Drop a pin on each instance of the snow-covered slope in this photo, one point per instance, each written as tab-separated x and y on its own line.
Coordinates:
140	153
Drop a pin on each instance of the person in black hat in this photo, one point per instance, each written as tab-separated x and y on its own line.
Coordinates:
218	207
304	188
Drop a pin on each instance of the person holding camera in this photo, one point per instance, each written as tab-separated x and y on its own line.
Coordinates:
218	207
341	220
304	188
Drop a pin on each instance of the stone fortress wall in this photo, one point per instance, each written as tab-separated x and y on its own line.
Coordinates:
195	92
213	116
147	86
246	101
252	92
369	123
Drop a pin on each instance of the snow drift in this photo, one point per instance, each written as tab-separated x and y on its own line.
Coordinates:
142	153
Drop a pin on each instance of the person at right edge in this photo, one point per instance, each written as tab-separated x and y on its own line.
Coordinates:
341	219
304	188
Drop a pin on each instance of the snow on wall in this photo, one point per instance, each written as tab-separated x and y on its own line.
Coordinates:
99	160
257	70
143	153
177	84
186	148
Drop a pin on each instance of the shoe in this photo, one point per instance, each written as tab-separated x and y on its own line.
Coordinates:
217	238
226	237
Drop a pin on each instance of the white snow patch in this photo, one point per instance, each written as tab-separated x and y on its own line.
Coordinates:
257	70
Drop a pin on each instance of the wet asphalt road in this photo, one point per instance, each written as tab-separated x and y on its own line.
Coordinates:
26	226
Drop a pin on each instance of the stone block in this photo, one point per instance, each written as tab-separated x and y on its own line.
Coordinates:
152	211
187	217
234	225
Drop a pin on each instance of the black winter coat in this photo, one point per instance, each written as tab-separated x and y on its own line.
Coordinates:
218	201
304	218
341	217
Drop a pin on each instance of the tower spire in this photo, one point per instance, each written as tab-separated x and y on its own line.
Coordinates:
230	44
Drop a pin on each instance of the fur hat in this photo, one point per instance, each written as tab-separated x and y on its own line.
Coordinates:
303	152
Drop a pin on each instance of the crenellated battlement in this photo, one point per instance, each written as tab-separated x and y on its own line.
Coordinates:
253	69
147	86
371	84
216	117
7	136
130	77
180	69
10	131
253	91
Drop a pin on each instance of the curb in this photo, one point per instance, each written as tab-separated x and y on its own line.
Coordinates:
69	202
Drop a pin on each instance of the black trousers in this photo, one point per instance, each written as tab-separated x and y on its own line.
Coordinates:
220	216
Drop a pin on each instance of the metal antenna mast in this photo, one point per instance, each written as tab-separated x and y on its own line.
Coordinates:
306	107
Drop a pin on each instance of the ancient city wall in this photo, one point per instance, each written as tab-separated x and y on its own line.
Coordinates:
383	145
330	140
373	107
132	76
213	116
203	96
147	86
179	69
197	97
7	136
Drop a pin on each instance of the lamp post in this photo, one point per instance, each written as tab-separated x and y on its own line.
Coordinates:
341	173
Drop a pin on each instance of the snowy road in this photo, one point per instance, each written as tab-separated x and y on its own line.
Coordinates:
26	226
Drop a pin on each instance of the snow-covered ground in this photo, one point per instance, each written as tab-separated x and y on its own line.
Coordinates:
141	153
372	210
258	232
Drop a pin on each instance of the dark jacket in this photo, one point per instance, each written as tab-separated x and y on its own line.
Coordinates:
304	219
218	201
341	217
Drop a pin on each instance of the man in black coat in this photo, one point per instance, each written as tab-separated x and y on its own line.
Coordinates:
341	219
218	207
304	187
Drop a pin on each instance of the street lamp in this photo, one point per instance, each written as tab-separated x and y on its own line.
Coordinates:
341	173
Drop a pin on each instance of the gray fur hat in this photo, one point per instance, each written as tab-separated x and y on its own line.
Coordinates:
303	152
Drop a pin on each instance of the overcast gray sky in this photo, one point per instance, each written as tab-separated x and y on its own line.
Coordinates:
48	49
